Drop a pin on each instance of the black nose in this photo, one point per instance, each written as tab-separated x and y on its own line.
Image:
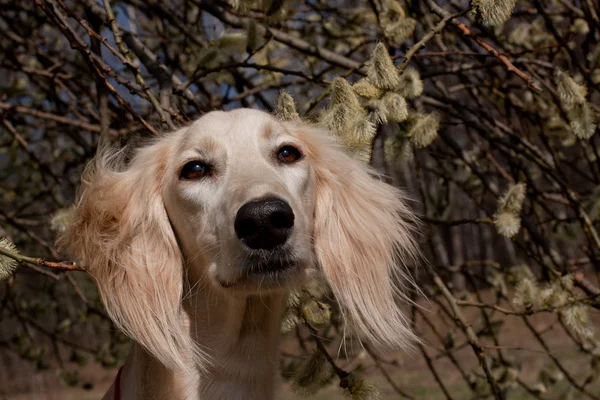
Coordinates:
264	224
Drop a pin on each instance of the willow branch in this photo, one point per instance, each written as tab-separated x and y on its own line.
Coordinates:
61	265
114	27
478	348
436	30
502	58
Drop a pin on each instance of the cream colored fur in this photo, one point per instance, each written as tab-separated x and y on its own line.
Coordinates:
167	260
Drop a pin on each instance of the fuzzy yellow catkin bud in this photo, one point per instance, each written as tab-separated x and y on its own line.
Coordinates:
293	299
289	320
359	141
410	85
351	125
493	12
525	294
347	119
290	316
498	282
570	93
315	311
397	32
336	118
424	130
393	9
314	373
61	219
513	199
553	296
397	151
397	109
356	388
580	26
364	131
7	265
566	282
576	317
381	71
365	89
342	94
286	108
507	224
377	111
582	121
507	219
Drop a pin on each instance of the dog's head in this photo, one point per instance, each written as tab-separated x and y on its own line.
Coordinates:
239	191
248	204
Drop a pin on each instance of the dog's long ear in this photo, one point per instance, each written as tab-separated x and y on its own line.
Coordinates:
122	233
363	236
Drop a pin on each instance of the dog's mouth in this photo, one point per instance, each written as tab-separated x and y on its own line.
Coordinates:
264	270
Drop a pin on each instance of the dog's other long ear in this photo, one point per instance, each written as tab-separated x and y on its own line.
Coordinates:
122	233
363	236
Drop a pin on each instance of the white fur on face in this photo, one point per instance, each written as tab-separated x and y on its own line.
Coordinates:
241	148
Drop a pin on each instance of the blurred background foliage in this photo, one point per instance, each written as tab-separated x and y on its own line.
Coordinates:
484	111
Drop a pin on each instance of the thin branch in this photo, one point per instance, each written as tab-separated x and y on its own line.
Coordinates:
436	30
53	117
282	37
98	66
61	265
114	27
502	58
478	348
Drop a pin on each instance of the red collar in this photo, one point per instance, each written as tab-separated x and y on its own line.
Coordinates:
117	389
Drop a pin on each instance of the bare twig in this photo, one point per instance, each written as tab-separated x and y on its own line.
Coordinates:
436	30
502	58
478	348
40	261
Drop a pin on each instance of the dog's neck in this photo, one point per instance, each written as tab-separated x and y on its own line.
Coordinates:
240	334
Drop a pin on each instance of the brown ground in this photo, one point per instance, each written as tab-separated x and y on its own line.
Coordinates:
412	373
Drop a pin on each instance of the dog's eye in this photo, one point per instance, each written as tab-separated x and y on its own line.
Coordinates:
195	170
288	154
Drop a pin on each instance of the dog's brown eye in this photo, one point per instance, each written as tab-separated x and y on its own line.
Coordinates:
288	154
195	170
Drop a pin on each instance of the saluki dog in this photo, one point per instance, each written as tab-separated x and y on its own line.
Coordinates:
195	241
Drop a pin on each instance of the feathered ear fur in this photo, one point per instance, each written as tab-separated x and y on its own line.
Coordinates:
363	235
122	233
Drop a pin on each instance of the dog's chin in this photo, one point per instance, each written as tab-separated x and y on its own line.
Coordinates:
265	272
